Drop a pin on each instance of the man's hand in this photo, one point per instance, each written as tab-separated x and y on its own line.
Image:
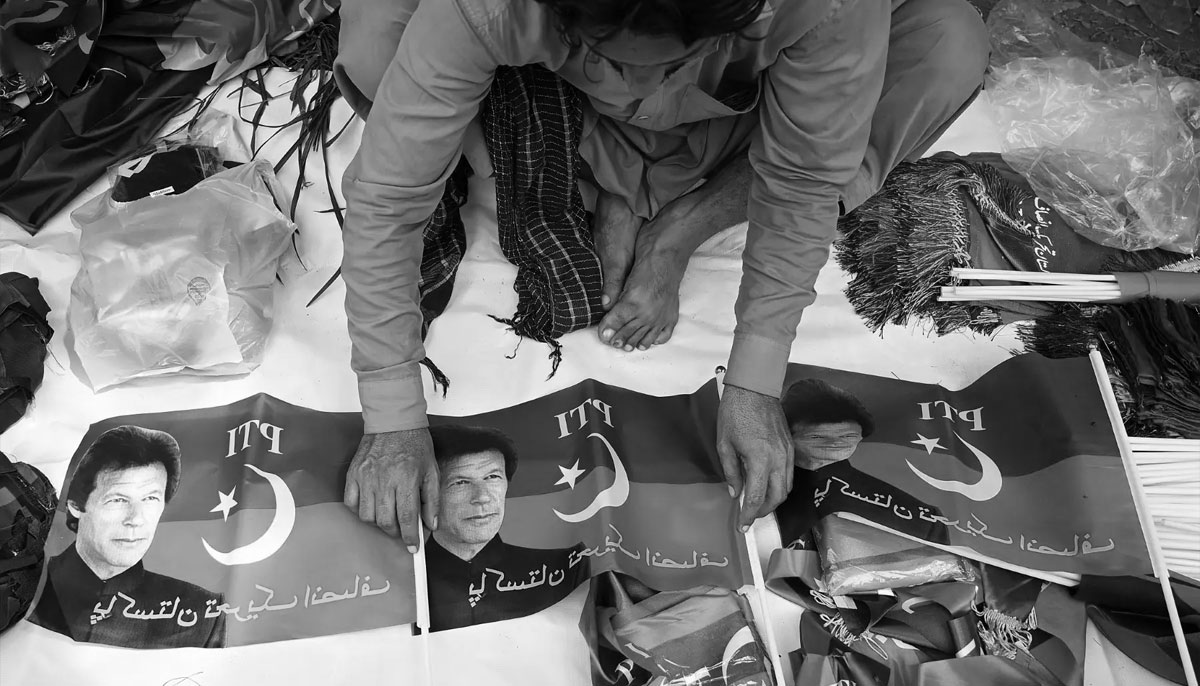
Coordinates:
756	451
393	479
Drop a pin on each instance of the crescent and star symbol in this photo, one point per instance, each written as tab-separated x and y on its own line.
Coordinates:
569	475
275	535
990	478
227	503
613	496
46	14
930	444
742	638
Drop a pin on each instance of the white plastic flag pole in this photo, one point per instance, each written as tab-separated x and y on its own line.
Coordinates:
1157	559
1179	445
760	592
421	583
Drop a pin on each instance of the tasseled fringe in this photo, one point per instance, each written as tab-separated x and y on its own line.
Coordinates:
517	325
1005	636
900	246
439	377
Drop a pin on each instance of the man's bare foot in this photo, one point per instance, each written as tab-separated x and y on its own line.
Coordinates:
615	232
648	308
643	308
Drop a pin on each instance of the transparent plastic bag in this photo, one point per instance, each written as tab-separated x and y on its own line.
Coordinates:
179	283
856	558
1110	142
1024	28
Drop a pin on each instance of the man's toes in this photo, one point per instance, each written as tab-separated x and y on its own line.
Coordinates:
619	324
629	335
641	339
648	339
664	334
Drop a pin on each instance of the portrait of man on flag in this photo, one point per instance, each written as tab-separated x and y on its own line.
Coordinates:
97	589
828	423
474	576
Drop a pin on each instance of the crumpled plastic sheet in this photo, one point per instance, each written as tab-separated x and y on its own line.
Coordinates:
179	283
1110	141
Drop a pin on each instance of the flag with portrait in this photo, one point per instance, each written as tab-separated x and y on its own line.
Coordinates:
225	526
1021	468
599	479
218	527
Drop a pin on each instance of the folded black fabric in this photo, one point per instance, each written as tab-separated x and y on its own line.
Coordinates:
168	173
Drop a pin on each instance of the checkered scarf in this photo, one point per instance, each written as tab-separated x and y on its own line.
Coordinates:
531	121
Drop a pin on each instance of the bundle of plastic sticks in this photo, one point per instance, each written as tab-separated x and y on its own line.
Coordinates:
1179	285
1169	469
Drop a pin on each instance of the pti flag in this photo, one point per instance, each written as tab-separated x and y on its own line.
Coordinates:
218	527
1021	467
539	497
225	526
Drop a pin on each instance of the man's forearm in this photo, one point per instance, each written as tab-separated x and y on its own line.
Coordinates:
381	267
410	146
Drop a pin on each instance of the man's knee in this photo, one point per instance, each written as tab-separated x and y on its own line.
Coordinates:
954	41
367	41
968	43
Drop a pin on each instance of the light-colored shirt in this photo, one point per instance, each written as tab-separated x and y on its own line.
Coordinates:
818	68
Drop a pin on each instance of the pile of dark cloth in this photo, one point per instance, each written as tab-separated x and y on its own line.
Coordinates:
1152	350
85	84
24	335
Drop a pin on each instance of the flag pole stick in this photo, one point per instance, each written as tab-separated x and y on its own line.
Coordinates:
421	581
1157	558
1178	445
760	588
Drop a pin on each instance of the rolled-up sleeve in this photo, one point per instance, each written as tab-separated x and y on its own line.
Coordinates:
410	146
817	103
